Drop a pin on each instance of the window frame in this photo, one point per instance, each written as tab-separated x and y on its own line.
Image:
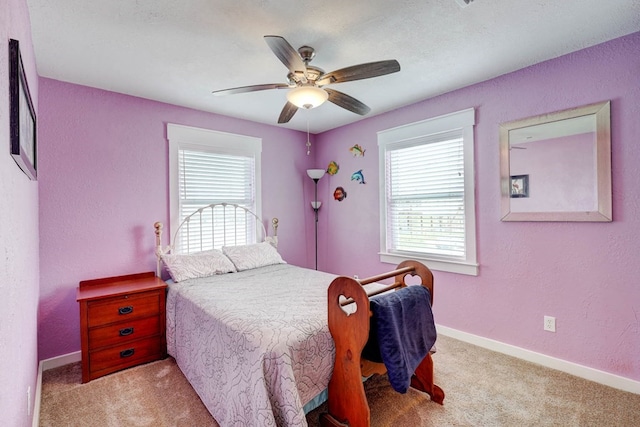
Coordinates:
182	137
463	120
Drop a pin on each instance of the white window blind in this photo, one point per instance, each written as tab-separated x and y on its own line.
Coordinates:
425	197
427	205
208	167
206	178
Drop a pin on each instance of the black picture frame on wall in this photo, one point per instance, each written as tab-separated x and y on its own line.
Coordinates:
22	122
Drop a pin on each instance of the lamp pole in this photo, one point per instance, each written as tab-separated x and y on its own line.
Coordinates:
315	175
316	208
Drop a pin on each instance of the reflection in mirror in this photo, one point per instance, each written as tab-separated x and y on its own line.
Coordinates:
557	167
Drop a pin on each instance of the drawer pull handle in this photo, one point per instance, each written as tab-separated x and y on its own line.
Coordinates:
126	309
127	353
126	331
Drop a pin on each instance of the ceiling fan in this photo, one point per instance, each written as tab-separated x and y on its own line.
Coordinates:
307	82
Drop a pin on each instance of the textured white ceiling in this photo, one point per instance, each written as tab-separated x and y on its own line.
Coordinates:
179	51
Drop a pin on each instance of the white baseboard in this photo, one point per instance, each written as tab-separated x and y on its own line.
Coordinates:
45	365
36	400
601	377
65	359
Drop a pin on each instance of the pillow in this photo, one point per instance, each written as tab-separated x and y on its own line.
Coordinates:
257	255
201	264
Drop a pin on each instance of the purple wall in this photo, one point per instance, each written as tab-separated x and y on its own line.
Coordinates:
104	182
18	239
584	274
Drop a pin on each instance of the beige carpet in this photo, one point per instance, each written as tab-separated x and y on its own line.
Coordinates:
155	394
482	388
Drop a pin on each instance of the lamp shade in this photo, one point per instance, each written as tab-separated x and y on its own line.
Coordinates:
307	97
316	205
315	173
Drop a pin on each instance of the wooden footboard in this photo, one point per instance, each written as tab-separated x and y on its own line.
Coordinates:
349	315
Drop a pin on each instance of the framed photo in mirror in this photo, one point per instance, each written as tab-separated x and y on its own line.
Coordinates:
22	121
520	186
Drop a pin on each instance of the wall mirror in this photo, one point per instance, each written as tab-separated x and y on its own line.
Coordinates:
557	166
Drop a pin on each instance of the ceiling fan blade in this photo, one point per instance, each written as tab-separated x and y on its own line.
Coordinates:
347	102
358	72
286	53
287	112
253	88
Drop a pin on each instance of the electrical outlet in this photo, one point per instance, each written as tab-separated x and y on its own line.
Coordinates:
549	323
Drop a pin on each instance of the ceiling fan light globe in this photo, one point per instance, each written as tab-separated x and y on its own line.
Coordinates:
307	97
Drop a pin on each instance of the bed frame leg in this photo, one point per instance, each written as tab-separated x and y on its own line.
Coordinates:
423	380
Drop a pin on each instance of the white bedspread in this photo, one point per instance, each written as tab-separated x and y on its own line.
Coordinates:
255	345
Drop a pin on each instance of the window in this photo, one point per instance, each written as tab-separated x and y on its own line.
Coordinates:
427	205
208	167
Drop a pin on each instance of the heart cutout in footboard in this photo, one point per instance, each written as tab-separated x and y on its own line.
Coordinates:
350	307
412	280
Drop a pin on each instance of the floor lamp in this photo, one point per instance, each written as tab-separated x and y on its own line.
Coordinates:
315	175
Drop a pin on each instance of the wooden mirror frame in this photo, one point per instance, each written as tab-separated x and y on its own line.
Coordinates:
602	113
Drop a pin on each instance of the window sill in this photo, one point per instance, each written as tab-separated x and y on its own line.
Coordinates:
433	264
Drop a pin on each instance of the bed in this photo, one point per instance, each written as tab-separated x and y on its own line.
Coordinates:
252	337
254	344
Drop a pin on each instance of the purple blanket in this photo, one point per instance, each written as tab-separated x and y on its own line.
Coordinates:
402	333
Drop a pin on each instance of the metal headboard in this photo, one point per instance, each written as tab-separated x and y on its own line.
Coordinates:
204	231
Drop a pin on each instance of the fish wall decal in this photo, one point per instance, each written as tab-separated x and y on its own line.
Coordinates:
333	168
358	176
357	151
339	194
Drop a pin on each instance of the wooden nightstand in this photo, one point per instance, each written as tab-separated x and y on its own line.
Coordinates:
122	323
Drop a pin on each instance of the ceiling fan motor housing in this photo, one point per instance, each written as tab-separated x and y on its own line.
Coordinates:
299	77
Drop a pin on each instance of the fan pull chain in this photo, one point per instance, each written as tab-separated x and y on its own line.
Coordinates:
308	140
